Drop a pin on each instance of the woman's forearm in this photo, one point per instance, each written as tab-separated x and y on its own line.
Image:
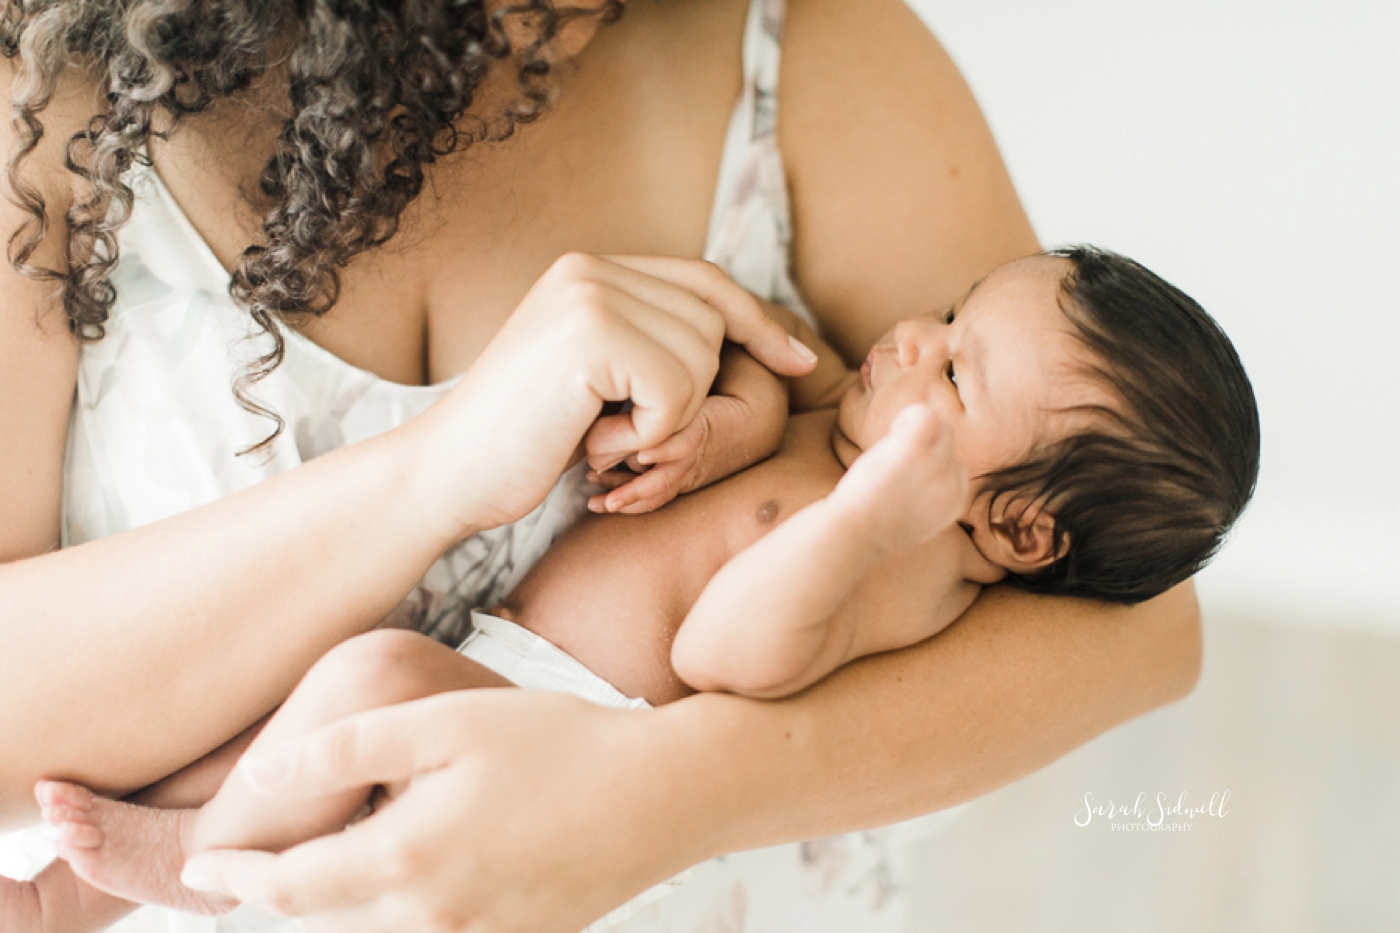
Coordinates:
1016	683
128	657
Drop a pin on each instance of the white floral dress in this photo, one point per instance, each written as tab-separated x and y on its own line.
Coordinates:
155	431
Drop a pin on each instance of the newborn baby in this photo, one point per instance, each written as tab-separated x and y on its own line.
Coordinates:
1073	424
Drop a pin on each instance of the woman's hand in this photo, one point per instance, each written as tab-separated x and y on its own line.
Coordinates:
739	424
525	810
592	330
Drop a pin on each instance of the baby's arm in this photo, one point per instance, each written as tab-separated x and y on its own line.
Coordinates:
778	616
739	424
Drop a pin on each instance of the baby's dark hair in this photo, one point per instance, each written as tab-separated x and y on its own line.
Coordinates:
1144	497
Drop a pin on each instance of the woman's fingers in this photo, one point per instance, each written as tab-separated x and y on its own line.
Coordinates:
336	871
663	390
607	440
694	347
450	852
677	300
381	746
745	321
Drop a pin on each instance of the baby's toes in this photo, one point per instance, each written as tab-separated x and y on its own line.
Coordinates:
68	808
63	794
57	816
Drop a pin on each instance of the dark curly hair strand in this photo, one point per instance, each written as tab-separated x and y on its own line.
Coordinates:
376	90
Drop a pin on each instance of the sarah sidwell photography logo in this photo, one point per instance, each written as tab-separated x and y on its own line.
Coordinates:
1160	814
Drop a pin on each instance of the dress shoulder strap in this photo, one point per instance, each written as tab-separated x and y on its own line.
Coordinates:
763	52
751	226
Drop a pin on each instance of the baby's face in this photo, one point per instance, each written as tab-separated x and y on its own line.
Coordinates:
995	368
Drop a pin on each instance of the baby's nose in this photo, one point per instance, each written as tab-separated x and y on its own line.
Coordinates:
914	338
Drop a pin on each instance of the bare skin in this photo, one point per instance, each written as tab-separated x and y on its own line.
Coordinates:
901	210
136	851
409	315
763	607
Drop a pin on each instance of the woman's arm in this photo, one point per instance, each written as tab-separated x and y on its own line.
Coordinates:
214	614
900	198
1009	688
895	214
901	201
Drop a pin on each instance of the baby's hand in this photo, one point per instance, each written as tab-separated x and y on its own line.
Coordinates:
910	484
739	424
723	439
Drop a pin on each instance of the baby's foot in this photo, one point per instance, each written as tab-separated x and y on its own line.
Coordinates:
128	851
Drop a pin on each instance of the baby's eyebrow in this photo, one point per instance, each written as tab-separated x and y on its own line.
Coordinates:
956	304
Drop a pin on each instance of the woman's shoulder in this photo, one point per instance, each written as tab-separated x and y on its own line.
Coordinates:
38	355
73	100
900	197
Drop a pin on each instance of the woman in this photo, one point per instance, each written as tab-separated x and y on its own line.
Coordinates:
899	201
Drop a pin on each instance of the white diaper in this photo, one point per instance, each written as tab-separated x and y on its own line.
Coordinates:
528	661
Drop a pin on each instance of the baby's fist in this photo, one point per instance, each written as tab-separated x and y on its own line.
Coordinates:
909	485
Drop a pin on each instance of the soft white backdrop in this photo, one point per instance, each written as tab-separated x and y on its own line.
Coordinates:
1248	151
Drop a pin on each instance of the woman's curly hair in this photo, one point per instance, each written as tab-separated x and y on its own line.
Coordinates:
377	89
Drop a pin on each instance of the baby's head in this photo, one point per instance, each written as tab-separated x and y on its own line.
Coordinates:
1105	419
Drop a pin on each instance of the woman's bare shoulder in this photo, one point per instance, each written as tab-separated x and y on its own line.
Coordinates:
900	197
38	355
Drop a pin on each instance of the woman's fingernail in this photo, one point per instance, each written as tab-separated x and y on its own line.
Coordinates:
268	769
802	350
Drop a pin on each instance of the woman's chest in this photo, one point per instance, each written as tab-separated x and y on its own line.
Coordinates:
625	161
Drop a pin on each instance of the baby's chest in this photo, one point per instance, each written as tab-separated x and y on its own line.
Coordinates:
742	509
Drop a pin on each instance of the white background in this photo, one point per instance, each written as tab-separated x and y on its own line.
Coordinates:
1249	152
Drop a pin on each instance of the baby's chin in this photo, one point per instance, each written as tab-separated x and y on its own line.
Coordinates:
842	446
849	415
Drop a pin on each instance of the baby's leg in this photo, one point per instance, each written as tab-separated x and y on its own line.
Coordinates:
374	670
138	852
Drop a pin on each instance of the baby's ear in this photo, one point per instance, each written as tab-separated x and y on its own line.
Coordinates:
1023	538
